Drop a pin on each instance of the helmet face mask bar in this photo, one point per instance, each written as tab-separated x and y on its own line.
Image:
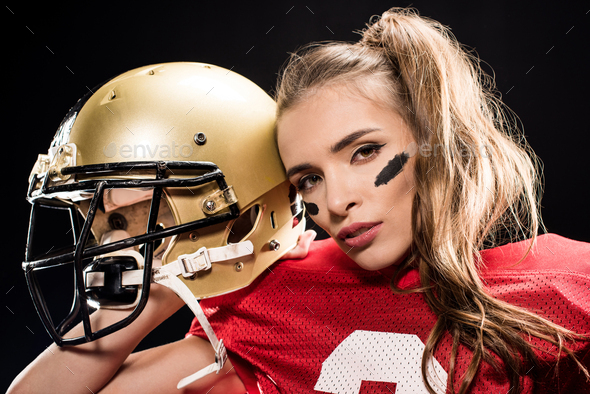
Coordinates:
241	203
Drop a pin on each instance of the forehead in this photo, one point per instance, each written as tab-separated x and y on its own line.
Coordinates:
331	113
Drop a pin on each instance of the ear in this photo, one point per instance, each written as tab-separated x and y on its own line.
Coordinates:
300	251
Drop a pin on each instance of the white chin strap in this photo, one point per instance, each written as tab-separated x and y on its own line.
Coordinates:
171	281
187	265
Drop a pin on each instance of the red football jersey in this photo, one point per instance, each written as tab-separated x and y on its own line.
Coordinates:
323	324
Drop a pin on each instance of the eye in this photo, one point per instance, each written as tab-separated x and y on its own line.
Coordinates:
366	153
308	182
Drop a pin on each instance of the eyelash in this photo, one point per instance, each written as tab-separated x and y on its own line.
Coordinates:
375	150
375	147
300	185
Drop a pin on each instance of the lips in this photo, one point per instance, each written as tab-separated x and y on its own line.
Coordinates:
359	234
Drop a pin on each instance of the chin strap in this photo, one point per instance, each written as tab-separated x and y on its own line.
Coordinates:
163	277
188	265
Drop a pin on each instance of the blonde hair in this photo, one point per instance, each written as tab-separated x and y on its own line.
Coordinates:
463	203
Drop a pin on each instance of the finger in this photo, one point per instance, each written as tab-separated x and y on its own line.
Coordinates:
302	248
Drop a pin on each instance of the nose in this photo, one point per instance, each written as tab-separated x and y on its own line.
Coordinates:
342	194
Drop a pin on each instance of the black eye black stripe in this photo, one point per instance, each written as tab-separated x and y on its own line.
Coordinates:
311	208
393	167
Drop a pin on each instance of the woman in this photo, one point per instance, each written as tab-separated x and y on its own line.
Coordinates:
405	156
423	160
410	166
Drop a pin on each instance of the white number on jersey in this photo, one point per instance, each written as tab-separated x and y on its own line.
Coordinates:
379	357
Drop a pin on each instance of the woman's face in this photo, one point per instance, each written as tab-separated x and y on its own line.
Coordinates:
352	162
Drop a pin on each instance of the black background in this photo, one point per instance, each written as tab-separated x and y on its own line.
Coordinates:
538	52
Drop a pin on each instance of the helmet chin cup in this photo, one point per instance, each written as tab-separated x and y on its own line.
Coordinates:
107	280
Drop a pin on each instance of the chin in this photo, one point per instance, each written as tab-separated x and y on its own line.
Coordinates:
372	258
372	265
368	259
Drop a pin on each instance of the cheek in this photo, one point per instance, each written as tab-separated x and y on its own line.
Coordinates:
319	214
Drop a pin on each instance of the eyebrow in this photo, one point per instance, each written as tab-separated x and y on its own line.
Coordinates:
298	168
349	139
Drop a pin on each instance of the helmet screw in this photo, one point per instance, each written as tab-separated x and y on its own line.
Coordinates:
274	245
239	266
61	150
200	138
210	205
117	221
194	236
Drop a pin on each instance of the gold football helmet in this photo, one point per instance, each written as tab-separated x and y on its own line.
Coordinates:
166	169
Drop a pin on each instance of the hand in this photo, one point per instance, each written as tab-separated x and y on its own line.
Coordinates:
303	243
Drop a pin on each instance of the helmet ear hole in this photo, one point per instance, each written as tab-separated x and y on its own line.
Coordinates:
273	220
244	225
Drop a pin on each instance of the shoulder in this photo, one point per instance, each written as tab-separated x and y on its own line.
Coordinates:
551	280
549	252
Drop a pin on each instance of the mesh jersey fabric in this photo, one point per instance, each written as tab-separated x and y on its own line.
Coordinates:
323	324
